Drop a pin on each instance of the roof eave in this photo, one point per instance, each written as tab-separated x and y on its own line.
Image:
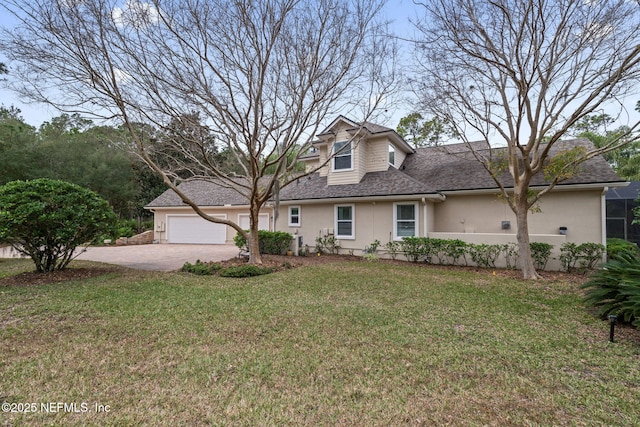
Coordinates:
435	197
558	187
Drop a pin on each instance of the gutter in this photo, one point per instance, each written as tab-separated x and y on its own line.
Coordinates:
438	197
559	187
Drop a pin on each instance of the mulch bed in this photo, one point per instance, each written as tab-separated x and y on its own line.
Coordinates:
276	263
281	262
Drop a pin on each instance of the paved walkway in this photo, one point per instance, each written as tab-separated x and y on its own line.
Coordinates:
161	257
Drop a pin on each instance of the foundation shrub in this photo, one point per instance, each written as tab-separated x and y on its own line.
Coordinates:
414	248
271	242
485	255
540	252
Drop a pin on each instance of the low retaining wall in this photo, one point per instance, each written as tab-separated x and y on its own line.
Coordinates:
139	239
556	240
9	252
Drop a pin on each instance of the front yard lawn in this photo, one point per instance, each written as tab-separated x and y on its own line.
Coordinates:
350	343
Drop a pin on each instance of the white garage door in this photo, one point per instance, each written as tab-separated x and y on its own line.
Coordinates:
194	229
263	221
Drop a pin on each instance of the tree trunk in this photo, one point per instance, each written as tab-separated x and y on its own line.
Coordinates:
253	243
522	218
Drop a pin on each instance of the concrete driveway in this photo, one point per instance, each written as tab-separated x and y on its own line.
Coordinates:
161	257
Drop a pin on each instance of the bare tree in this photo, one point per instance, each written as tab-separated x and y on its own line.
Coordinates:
260	75
521	74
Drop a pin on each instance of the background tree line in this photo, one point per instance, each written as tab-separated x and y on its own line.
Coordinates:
600	129
73	149
98	157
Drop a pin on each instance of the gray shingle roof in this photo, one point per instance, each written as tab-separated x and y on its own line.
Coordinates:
204	193
384	183
374	128
453	167
427	171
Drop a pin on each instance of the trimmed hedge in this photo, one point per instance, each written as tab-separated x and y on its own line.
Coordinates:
580	257
457	252
271	242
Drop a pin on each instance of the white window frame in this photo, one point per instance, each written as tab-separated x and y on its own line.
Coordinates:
345	153
352	236
392	150
290	216
395	219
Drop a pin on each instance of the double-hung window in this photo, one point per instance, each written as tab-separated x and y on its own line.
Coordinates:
294	216
343	156
404	220
345	226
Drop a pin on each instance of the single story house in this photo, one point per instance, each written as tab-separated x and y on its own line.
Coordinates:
378	187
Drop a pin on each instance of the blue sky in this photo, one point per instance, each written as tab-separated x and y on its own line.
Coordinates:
35	114
397	11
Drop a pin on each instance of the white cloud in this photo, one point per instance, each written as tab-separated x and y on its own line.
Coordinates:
135	13
122	77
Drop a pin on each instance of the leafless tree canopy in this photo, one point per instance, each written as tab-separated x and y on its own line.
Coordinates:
521	73
260	75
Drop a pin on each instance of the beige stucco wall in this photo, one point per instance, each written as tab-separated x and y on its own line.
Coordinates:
474	219
231	213
478	217
580	212
373	221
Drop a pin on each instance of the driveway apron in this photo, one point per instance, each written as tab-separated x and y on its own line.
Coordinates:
160	257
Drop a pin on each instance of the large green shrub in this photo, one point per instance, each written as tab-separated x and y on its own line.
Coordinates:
271	242
47	220
616	247
615	289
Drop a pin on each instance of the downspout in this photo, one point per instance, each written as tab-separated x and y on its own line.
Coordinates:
442	198
424	214
603	225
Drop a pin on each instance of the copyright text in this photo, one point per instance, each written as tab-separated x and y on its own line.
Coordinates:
54	407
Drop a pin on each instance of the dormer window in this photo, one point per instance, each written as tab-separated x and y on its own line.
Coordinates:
343	156
392	155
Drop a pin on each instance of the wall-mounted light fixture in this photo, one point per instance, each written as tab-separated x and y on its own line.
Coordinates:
506	225
563	230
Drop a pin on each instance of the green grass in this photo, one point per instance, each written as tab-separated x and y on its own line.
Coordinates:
340	344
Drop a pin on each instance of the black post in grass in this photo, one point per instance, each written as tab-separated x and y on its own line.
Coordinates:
612	326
